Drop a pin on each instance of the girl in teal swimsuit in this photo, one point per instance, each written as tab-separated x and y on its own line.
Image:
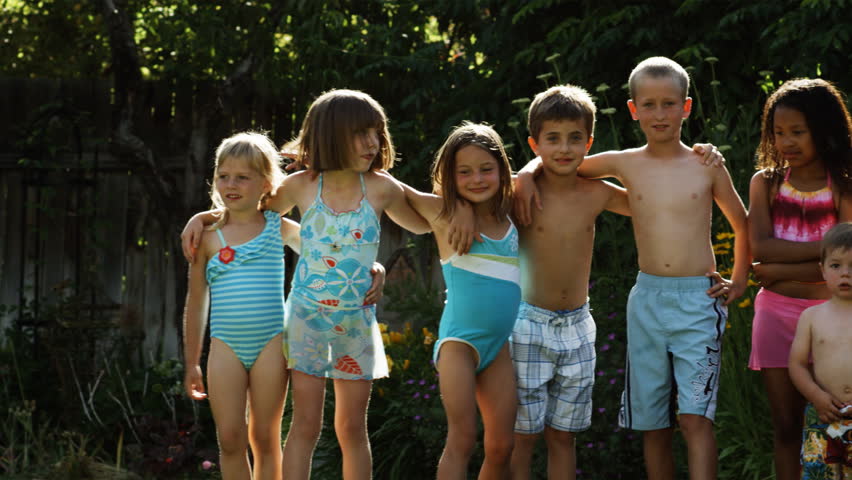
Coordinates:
483	295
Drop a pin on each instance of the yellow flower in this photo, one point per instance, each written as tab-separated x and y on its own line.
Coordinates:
406	364
390	362
727	325
428	339
383	327
752	283
380	391
386	339
407	328
396	337
745	303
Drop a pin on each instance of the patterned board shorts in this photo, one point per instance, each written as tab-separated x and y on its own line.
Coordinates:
825	457
554	355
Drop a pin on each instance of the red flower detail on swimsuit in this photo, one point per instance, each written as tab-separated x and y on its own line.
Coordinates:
227	254
348	364
330	262
357	234
331	302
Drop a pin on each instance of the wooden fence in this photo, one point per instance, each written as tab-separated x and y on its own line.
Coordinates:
80	236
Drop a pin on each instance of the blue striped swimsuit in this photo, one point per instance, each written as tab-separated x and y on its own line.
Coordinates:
483	295
247	293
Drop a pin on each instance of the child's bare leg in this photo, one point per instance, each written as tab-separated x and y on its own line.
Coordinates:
657	449
787	410
700	445
267	391
561	455
457	380
522	456
227	381
308	398
351	398
497	397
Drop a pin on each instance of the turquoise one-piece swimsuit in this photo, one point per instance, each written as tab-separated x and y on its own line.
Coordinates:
483	296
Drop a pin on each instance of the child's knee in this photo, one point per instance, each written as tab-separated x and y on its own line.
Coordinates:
695	425
462	439
350	430
306	428
265	440
499	447
559	439
232	440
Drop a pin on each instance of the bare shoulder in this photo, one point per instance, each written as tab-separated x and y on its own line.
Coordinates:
210	244
381	180
300	179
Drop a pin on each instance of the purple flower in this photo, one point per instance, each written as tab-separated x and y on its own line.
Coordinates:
611	336
590	445
426	395
422	382
612	381
432	387
591	284
600	373
601	409
605	347
620	370
417	417
416	395
410	382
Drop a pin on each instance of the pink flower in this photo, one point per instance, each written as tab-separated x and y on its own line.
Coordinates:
206	464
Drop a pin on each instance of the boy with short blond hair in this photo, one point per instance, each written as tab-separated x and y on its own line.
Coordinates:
824	334
553	342
675	314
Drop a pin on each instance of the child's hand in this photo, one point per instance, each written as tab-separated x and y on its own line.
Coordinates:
193	383
731	290
190	238
711	155
374	294
764	273
462	228
828	407
526	192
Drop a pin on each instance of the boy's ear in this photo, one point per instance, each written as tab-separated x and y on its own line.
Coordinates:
589	143
687	107
632	107
533	145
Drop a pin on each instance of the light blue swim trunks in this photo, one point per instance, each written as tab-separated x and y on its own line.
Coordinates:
674	340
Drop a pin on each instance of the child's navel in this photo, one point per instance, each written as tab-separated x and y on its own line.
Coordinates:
639	197
694	196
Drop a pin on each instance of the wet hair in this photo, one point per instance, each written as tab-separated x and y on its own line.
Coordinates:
656	67
444	167
328	133
839	237
829	123
260	154
562	102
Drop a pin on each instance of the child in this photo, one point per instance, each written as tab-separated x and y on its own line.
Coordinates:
483	291
801	191
553	342
330	330
825	335
245	248
675	319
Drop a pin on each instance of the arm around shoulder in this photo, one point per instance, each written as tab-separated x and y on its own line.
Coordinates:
194	325
732	207
399	209
618	200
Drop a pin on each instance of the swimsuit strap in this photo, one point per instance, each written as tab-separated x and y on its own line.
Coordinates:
221	238
319	189
787	175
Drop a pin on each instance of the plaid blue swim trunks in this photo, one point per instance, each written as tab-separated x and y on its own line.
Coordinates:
554	356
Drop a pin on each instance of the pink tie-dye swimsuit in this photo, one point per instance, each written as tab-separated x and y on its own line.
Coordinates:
803	216
797	217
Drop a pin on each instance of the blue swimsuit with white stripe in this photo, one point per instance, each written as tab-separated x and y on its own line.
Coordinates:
247	293
483	295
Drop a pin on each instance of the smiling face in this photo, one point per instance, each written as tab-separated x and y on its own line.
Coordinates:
660	107
239	186
837	272
477	174
792	137
562	145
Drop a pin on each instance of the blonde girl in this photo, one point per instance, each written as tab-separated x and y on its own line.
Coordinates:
240	276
